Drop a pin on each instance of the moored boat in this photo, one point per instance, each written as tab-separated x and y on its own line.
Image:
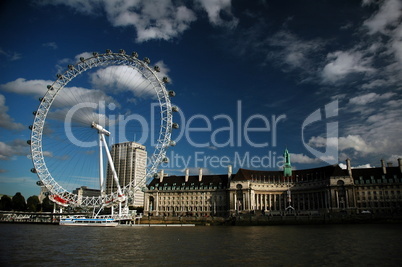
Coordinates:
83	221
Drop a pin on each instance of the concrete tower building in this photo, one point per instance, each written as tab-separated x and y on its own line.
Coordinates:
130	160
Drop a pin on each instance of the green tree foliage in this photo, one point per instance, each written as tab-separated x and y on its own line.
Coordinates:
18	202
47	204
33	203
5	203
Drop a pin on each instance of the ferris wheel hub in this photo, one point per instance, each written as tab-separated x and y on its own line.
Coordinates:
100	129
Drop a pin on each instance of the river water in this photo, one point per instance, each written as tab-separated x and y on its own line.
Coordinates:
302	245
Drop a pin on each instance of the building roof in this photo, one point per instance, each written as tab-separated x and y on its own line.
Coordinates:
376	173
320	173
307	174
192	180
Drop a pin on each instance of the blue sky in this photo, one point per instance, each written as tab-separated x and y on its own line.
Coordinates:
258	64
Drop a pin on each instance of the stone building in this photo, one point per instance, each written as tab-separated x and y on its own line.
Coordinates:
378	190
189	195
311	191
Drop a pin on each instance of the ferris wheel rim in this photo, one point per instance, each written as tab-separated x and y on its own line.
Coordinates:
65	197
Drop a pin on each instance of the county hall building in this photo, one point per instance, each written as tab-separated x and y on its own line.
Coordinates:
312	191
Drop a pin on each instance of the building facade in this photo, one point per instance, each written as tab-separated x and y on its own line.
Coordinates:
195	195
304	192
379	189
130	160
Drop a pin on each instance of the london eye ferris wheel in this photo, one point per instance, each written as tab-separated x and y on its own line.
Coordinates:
103	99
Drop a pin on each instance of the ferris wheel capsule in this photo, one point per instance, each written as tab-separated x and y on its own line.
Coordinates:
147	60
39	183
82	59
29	142
165	79
121	51
49	87
108	51
175	125
175	109
30	127
33	170
157	69
172	93
134	54
70	67
95	54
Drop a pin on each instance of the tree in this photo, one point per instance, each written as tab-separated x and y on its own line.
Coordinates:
18	202
47	204
5	203
33	203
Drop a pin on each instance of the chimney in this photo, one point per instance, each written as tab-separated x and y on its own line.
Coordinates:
384	169
348	167
161	174
200	175
229	171
400	164
187	174
389	164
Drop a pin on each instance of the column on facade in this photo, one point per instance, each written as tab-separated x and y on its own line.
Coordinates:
258	202
156	203
313	201
322	200
269	201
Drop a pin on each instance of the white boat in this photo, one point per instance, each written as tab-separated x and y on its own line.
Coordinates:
83	221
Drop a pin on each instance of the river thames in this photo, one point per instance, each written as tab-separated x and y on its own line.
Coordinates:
302	245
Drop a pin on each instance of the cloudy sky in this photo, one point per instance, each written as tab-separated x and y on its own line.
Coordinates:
251	78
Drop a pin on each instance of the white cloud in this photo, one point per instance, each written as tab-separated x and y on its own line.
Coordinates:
122	78
51	45
10	55
369	98
295	53
15	148
214	9
301	158
6	121
388	15
22	86
396	43
368	2
355	142
394	158
152	20
67	97
363	166
163	20
343	63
